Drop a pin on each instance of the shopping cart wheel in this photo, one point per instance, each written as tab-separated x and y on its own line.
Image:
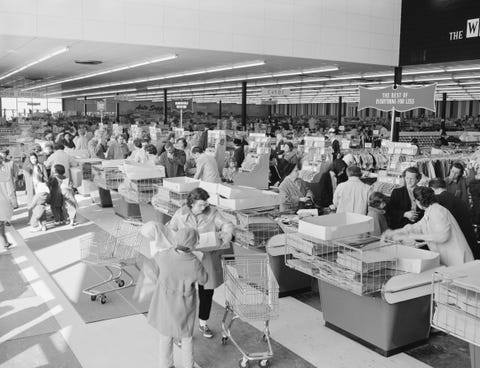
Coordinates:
93	298
264	363
103	299
120	283
242	363
224	340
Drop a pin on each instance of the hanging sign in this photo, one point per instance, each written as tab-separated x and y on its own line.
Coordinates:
401	99
101	105
275	92
181	104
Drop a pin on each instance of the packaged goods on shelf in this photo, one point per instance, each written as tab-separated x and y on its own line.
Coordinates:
256	226
181	184
339	225
456	301
355	264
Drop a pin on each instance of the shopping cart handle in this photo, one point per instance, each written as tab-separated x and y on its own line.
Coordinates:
228	257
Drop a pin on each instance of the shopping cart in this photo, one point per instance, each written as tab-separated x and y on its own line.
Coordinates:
251	294
113	251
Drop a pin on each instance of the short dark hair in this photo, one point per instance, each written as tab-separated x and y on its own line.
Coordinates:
195	195
413	170
59	169
354	170
426	196
196	150
436	183
168	145
33	154
6	152
376	199
137	142
459	166
59	146
290	145
150	148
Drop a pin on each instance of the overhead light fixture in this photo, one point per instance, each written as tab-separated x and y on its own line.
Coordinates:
463	68
422	71
167	76
35	62
102	72
432	79
378	75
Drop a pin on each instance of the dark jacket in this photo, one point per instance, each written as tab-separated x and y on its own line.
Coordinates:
239	156
398	205
174	166
459	209
325	190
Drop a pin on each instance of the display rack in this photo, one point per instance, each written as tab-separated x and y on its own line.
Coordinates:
255	227
107	177
356	264
254	171
259	143
456	303
168	201
86	165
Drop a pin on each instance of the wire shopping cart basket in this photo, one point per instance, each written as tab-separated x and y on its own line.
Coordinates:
113	251
251	294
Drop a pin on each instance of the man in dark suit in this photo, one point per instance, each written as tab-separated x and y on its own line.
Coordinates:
402	209
459	209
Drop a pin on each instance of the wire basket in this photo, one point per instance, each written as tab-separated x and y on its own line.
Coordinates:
455	307
255	227
108	178
251	289
360	264
103	248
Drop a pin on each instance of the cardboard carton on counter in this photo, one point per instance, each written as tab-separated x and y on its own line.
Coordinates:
264	199
411	259
181	184
335	226
209	242
211	188
237	191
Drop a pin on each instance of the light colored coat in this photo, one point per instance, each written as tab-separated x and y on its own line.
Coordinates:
174	302
207	169
6	194
60	157
351	196
443	235
210	220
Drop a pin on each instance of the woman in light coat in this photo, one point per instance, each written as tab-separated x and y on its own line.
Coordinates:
173	307
438	228
198	215
7	198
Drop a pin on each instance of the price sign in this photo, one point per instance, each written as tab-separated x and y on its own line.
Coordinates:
101	106
181	104
341	128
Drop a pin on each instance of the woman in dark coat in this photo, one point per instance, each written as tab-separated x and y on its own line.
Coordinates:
329	181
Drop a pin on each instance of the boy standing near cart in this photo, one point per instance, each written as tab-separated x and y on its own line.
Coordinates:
174	303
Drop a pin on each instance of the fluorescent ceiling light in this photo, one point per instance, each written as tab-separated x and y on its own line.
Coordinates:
378	75
35	62
102	72
431	79
462	68
167	76
414	72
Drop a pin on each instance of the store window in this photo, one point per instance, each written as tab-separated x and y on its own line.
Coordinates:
14	107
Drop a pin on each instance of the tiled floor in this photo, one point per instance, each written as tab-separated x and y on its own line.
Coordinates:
129	341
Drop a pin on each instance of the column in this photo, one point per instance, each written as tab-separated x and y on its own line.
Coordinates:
396	116
244	104
165	106
85	106
339	111
444	112
117	112
220	109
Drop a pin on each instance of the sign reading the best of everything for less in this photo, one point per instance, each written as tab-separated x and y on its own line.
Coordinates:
401	98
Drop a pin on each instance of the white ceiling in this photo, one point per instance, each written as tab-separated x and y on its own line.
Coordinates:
16	51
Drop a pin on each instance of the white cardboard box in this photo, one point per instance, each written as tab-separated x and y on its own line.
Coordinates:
214	199
181	184
335	226
237	191
265	200
211	188
209	242
411	259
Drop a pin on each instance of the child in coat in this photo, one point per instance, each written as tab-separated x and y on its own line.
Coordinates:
38	219
173	307
376	209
